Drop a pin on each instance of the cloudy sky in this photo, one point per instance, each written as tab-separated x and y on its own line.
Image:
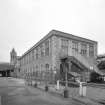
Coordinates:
25	22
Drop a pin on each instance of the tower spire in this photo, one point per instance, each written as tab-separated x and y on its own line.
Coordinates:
13	57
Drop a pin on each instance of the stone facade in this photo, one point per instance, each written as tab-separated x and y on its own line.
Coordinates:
55	43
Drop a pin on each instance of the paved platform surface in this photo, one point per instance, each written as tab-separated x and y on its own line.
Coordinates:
82	100
16	92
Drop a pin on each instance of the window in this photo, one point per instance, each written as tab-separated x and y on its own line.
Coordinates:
39	52
64	46
91	50
47	48
28	58
24	60
36	70
47	67
83	49
42	50
75	46
32	54
36	53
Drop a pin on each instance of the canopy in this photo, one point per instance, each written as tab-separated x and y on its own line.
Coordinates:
6	66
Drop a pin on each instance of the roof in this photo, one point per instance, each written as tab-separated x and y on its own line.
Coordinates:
62	34
101	56
103	71
6	66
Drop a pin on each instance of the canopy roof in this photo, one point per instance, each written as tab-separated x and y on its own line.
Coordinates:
6	66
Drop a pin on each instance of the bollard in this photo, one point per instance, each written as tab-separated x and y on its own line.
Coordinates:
33	82
36	84
80	89
66	93
57	85
46	88
84	89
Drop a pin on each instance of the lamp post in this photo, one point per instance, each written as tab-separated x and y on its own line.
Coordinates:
54	74
91	69
46	84
66	92
35	85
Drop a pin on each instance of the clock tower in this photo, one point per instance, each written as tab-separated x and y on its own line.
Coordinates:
13	57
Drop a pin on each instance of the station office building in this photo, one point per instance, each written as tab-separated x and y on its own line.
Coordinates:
46	54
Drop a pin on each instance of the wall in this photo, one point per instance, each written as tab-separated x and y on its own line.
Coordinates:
30	66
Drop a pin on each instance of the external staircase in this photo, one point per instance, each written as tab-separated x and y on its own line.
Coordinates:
89	63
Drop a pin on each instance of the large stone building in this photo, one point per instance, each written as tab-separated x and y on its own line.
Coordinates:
46	55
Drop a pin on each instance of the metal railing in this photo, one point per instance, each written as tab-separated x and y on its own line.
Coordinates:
41	76
73	88
90	63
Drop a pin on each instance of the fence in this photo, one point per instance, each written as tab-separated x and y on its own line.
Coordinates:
73	87
41	76
49	77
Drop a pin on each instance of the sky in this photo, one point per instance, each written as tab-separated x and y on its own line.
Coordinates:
24	22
